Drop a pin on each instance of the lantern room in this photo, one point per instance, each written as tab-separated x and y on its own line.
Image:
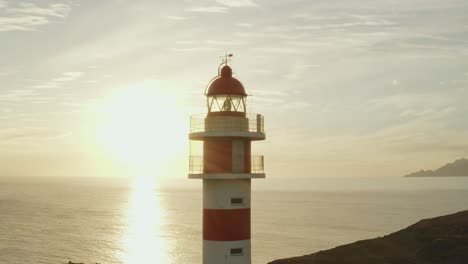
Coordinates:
226	95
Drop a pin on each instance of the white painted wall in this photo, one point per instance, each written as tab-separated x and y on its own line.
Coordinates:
217	194
216	252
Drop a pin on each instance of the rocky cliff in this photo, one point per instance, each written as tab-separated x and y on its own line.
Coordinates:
440	240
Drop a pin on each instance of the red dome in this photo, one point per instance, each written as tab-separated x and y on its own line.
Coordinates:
226	84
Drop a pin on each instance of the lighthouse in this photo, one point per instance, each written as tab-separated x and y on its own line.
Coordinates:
226	167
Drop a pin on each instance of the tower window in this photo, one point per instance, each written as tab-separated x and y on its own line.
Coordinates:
237	251
237	201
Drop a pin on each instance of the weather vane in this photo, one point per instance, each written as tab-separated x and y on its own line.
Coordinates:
226	58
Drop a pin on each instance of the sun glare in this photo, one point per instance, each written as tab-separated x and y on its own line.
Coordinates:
144	241
143	128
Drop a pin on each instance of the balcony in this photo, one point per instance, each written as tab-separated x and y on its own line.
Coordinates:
257	164
251	126
257	169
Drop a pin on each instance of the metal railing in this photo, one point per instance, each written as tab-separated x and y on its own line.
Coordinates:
196	164
257	164
249	123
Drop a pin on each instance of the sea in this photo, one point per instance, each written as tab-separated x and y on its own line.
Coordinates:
113	220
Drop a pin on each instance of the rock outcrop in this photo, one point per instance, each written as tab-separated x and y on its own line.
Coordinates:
439	240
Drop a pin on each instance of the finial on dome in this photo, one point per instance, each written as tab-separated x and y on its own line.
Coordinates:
226	58
226	71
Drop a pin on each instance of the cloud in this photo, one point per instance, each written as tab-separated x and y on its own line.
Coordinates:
68	76
223	43
191	49
295	105
208	9
341	26
287	35
424	124
237	3
185	42
203	45
298	71
55	10
407	101
246	25
28	16
209	43
7	72
177	18
262	71
412	135
3	4
15	135
58	81
18	95
22	23
281	50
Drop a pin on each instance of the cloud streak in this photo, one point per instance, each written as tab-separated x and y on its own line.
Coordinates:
237	3
208	9
56	10
177	18
28	16
58	81
16	135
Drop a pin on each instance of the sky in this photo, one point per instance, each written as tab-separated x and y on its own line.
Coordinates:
347	88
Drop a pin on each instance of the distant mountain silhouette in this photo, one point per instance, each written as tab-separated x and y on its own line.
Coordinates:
456	168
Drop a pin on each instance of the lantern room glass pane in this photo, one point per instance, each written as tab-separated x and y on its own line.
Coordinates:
226	103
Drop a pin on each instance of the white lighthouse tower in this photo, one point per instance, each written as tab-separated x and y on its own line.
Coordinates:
226	168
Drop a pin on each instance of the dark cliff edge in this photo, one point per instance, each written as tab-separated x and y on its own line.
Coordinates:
431	241
456	168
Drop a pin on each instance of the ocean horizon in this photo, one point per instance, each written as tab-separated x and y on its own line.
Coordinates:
112	220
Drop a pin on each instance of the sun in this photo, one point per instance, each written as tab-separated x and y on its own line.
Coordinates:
143	128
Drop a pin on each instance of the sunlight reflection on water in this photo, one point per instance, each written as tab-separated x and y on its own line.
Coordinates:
144	241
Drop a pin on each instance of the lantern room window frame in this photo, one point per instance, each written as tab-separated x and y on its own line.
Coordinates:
226	103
